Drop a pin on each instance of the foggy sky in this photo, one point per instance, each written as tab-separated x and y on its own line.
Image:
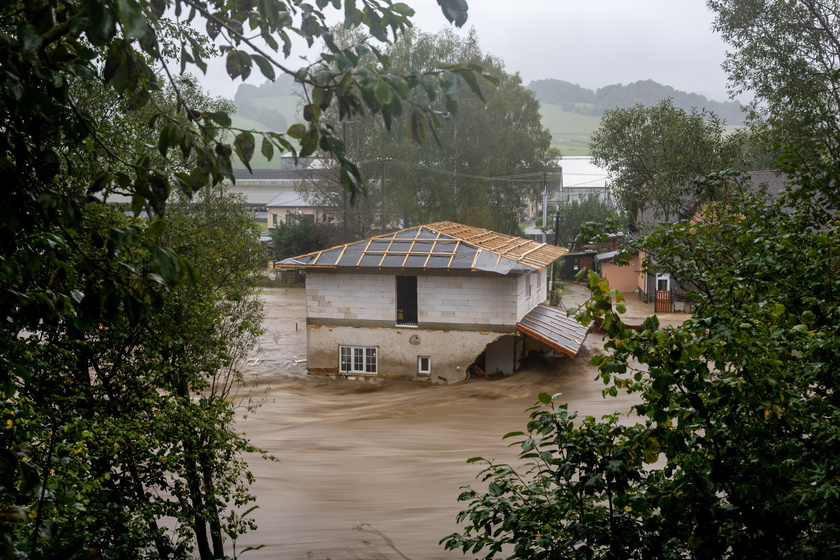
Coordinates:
593	43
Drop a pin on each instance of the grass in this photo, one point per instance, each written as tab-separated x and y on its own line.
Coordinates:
259	161
570	132
286	105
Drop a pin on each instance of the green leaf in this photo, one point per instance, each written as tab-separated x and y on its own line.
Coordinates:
383	92
238	64
455	11
267	148
222	118
244	145
168	265
544	398
297	131
265	66
469	77
416	125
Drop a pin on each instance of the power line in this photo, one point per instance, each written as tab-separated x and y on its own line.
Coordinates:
518	178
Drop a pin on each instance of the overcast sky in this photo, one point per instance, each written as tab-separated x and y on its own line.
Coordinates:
593	43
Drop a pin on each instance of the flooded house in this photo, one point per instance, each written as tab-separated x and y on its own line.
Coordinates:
434	301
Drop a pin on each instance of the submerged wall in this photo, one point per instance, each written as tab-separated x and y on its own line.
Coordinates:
398	350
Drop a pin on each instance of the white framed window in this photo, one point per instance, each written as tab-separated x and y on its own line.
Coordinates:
424	365
357	359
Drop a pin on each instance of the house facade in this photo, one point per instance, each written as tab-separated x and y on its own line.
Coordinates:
432	301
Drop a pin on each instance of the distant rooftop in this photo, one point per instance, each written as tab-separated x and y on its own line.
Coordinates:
581	172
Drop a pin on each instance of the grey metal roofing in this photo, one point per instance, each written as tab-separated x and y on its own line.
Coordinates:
286	199
257	196
606	256
442	245
287	169
554	327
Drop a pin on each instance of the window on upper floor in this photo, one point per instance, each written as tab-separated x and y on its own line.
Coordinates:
407	301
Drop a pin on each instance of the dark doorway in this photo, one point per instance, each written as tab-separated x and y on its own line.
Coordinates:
407	300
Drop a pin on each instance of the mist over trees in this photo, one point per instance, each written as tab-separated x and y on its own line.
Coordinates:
272	118
485	164
574	98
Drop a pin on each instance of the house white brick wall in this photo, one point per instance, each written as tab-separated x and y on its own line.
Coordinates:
455	300
531	291
459	317
367	297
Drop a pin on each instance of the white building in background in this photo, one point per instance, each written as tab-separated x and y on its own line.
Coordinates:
582	178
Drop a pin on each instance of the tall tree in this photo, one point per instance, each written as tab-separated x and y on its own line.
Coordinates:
487	161
654	154
786	54
572	214
115	374
733	455
131	420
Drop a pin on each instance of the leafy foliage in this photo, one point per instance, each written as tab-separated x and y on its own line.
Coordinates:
461	176
739	405
571	215
733	455
786	52
653	156
128	422
121	335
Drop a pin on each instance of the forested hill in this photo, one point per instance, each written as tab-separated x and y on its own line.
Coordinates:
574	98
269	103
571	112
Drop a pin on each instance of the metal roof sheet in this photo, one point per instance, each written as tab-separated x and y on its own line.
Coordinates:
442	245
554	327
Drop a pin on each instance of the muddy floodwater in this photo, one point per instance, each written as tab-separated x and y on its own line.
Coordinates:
391	454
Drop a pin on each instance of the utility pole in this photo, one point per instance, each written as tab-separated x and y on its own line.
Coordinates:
382	185
343	190
545	208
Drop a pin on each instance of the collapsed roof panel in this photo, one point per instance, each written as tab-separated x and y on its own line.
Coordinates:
554	327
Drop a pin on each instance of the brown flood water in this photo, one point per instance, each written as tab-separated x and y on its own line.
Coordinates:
391	454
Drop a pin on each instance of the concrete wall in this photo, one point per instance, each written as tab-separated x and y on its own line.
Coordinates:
451	352
356	297
537	281
459	316
459	300
441	300
622	278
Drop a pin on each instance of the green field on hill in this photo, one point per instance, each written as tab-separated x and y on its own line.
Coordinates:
287	105
258	161
570	132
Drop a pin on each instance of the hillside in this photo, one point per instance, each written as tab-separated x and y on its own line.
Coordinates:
572	113
574	98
